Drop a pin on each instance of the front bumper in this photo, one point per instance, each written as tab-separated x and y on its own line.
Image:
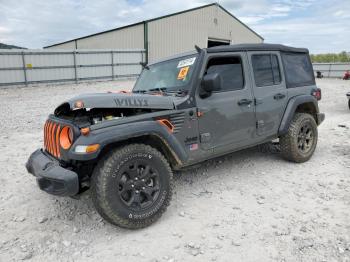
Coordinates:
320	118
51	177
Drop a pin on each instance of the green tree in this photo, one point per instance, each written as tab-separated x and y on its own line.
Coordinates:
330	58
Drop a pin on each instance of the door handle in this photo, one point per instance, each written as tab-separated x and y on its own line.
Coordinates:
279	96
244	102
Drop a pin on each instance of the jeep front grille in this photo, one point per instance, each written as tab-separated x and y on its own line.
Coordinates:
52	137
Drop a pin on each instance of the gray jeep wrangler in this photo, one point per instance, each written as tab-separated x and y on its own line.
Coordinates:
182	111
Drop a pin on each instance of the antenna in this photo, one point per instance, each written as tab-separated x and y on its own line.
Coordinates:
198	49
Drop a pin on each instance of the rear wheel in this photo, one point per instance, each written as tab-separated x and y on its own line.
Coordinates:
300	142
349	103
132	186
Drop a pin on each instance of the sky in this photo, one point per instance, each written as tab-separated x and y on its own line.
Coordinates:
322	26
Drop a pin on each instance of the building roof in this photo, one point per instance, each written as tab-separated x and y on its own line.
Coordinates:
256	47
159	18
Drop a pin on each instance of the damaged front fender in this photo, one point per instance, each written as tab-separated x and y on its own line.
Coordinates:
119	133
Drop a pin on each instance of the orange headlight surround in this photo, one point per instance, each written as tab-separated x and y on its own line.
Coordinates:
66	137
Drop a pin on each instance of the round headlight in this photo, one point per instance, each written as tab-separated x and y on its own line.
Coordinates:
66	137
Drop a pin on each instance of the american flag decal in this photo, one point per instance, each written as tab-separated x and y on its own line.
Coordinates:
193	147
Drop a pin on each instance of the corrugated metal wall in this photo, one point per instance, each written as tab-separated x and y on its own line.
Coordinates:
130	37
36	66
172	34
177	34
11	68
331	69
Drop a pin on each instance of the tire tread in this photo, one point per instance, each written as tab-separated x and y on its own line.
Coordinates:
288	149
98	188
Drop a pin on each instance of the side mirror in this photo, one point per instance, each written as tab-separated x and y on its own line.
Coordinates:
211	82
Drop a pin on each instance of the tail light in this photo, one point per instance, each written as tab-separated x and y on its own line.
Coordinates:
317	93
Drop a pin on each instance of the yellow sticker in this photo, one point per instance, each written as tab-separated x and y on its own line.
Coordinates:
183	73
29	66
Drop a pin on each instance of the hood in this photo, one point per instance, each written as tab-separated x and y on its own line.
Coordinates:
121	100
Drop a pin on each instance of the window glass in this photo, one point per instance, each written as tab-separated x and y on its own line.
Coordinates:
298	69
276	69
266	70
170	75
230	70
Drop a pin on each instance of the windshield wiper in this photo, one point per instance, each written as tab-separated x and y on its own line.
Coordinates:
139	91
178	92
152	90
160	89
163	90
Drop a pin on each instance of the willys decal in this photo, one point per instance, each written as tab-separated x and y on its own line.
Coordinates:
135	102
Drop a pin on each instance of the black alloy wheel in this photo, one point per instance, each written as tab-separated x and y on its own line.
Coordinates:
138	185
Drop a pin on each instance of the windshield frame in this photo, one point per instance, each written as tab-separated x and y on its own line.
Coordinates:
187	87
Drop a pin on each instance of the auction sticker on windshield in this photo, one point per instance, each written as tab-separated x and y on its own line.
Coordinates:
183	73
186	62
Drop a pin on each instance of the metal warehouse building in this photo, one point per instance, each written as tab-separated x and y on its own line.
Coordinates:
164	36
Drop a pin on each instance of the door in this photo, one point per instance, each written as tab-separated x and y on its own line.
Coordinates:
226	117
269	90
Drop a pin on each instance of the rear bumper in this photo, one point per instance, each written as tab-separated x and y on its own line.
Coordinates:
51	177
320	118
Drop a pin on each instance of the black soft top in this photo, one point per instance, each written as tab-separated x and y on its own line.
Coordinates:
256	47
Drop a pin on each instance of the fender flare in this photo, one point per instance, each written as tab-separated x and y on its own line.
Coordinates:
292	105
120	133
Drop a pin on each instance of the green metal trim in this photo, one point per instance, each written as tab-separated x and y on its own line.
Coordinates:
145	40
159	18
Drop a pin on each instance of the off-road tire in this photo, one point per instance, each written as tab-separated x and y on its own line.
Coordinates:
106	179
289	142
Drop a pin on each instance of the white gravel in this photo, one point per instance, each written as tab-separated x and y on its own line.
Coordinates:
247	206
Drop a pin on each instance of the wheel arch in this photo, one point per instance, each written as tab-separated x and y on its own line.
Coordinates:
152	140
145	132
298	104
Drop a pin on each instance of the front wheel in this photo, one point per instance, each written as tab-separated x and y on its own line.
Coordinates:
299	144
349	103
132	186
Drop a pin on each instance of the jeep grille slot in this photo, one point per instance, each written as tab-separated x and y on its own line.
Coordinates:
177	120
51	138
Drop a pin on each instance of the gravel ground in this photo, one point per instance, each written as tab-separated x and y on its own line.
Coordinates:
247	206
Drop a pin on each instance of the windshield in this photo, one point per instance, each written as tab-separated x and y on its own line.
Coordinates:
168	76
